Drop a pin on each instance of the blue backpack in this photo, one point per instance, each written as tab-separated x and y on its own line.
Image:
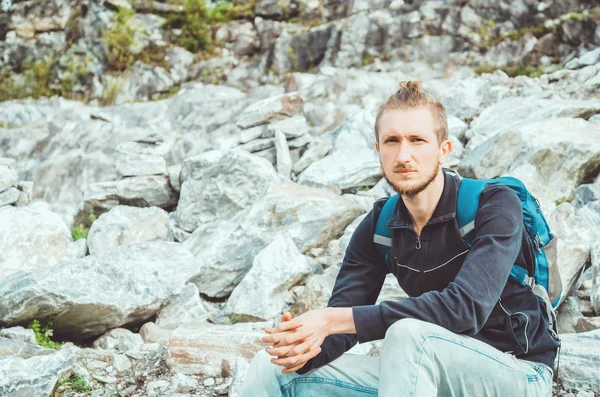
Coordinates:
545	283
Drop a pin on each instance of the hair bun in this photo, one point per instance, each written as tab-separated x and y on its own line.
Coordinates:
410	85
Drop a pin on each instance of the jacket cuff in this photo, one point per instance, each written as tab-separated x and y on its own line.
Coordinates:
369	323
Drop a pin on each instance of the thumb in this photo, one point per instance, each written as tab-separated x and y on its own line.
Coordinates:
287	316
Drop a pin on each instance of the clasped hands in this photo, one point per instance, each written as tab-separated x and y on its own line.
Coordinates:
295	341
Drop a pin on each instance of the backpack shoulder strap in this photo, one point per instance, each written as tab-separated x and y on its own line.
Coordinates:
467	204
383	236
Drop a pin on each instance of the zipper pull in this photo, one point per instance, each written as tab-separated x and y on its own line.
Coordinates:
418	245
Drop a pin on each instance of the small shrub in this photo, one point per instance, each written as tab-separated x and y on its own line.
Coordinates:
76	383
119	38
193	22
110	94
43	334
80	231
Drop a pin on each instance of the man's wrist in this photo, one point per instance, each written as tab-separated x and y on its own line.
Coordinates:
340	320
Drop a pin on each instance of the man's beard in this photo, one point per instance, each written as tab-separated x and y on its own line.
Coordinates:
412	190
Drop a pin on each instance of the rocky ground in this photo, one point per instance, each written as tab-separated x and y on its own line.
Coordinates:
139	232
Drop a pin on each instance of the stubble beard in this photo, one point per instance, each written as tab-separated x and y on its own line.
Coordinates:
411	191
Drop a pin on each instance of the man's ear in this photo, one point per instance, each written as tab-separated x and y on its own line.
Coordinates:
377	146
445	150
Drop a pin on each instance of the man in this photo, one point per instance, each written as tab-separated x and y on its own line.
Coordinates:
465	330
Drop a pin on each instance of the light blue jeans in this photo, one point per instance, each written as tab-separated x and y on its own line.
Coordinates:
418	359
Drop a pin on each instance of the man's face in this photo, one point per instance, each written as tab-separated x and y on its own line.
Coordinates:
409	151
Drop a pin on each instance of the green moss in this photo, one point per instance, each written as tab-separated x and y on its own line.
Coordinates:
119	38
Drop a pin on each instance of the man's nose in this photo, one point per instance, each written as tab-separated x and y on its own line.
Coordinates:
403	154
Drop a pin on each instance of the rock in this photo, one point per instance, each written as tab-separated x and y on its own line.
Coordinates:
467	98
33	239
209	382
511	113
573	243
124	225
8	174
35	376
119	339
152	333
9	196
218	185
586	193
301	51
353	162
587	59
578	360
284	160
174	172
310	216
19	334
185	309
238	373
138	191
157	385
240	37
264	292
519	152
183	384
141	158
456	127
270	109
274	9
211	350
315	152
88	296
292	127
121	363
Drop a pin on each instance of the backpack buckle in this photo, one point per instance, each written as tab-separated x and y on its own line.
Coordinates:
530	281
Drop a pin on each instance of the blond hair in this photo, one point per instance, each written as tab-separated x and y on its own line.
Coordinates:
410	96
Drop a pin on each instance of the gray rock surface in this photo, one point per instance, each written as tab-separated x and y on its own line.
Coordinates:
88	296
124	225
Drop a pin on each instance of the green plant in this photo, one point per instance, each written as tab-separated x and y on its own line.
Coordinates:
76	383
80	231
292	57
235	318
43	334
486	32
119	38
368	60
193	23
109	96
512	71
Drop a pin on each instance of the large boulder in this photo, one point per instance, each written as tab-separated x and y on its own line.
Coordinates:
579	359
185	309
312	217
33	239
353	162
264	293
218	185
136	191
124	225
88	296
36	375
532	151
270	109
513	113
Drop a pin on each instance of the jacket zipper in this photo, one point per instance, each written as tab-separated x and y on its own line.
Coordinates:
526	323
418	248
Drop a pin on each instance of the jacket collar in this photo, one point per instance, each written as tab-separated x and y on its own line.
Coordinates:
445	209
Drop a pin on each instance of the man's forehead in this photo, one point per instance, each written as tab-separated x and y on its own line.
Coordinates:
418	121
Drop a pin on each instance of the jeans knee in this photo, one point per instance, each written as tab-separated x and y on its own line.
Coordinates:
262	362
406	328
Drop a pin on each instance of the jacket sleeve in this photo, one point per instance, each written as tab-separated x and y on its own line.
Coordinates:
466	303
359	282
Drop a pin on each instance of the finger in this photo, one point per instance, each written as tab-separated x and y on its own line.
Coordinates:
287	316
289	325
292	361
305	357
302	347
287	338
